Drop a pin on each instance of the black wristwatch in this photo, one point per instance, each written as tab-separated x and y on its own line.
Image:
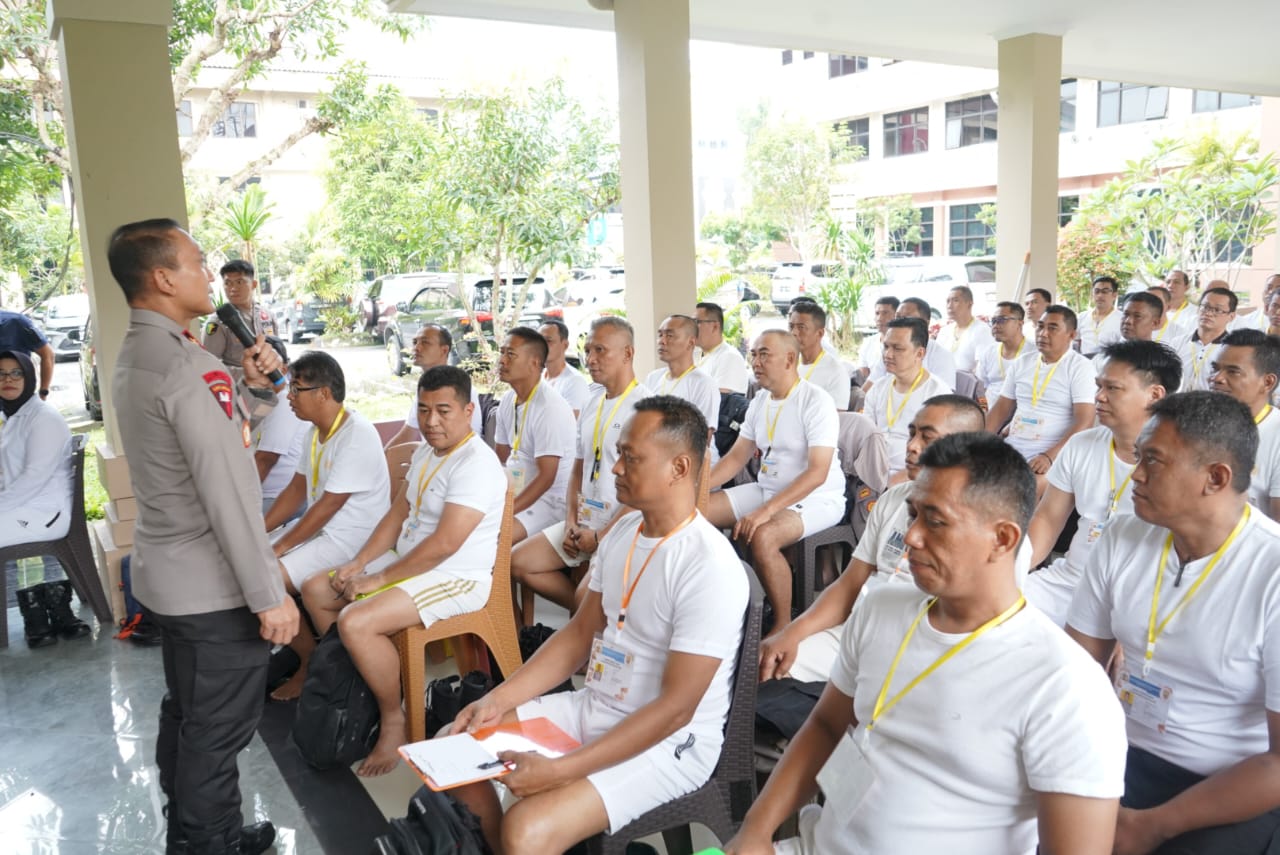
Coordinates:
44	393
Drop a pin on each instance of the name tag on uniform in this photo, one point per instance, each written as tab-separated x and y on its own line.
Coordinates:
593	510
609	670
847	775
1028	427
517	474
1096	529
1145	699
769	466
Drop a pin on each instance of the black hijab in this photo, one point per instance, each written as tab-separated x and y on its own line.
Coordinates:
28	382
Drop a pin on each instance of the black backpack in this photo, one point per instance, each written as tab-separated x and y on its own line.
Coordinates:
436	825
733	409
338	719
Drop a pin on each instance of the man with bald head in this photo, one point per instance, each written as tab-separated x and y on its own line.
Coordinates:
800	489
677	337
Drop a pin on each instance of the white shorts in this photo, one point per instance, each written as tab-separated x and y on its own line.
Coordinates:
816	654
438	594
806	824
555	536
319	553
636	786
1049	592
818	511
541	515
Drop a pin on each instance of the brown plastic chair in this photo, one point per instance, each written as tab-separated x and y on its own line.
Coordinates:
495	624
74	552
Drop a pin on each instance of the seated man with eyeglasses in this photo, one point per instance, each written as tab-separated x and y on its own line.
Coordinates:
1009	343
341	485
1213	319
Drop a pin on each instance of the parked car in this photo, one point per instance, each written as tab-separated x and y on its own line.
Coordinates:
788	282
89	372
930	278
379	303
306	321
436	303
539	306
63	319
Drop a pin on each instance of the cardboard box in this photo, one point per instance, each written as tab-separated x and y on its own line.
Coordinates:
121	530
126	509
113	472
108	555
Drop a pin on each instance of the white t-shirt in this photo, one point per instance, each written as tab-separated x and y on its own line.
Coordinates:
937	360
1095	334
477	419
959	760
884	404
965	344
470	477
1256	320
690	599
1179	325
1084	468
600	496
282	433
546	429
1220	654
1067	382
725	366
572	386
871	353
1265	483
697	387
1197	363
351	461
992	366
804	419
829	374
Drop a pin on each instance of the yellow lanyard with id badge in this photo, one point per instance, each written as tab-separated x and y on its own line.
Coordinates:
768	464
317	453
591	508
1113	496
517	470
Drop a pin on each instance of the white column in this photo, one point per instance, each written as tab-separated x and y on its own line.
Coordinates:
657	164
1027	169
123	135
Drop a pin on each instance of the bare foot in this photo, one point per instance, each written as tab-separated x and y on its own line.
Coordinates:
384	756
291	688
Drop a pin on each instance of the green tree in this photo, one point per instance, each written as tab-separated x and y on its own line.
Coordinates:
742	236
244	217
894	222
855	271
1083	256
789	165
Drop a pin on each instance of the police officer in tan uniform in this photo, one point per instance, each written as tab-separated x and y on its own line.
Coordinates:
202	566
240	286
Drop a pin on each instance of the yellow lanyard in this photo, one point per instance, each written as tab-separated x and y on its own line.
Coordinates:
626	568
672	383
317	453
528	402
1154	630
1111	471
1262	415
771	426
815	364
1097	324
955	342
1197	364
1168	324
706	354
892	416
597	439
881	707
425	481
1037	395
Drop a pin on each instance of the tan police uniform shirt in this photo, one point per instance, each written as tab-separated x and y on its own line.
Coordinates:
220	341
199	543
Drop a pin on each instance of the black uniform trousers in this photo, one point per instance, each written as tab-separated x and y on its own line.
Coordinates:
215	670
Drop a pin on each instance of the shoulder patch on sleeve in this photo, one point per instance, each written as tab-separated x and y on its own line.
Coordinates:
211	328
220	386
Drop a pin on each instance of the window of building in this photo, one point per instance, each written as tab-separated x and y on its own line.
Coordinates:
899	243
1123	103
184	119
855	132
906	132
786	57
1208	100
240	120
1067	107
838	64
302	103
429	114
971	121
968	235
1067	207
807	55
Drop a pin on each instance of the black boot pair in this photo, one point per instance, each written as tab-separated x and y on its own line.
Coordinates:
252	840
46	614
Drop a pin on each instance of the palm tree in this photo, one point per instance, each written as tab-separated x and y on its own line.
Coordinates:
245	216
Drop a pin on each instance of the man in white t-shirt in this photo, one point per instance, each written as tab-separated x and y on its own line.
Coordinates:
1008	344
808	323
277	444
1217	308
562	376
1187	589
1091	474
1034	304
871	351
535	434
430	557
666	595
1102	325
956	720
340	485
894	399
964	335
719	360
591	505
793	426
1247	368
937	359
1046	397
680	377
1179	311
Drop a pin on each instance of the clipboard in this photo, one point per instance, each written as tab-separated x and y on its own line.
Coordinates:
460	759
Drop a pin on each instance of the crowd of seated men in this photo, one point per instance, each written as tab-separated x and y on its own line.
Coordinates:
987	689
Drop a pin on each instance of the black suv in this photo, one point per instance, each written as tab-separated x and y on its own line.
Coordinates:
436	303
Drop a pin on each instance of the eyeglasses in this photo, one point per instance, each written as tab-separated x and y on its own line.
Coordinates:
12	374
1000	319
1104	290
295	389
1213	311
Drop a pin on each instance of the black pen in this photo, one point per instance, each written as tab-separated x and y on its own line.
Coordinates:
492	764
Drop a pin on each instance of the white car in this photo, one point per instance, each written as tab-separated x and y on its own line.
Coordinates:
930	278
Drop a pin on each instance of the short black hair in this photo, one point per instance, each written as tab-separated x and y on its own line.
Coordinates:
1110	280
888	301
1217	426
1232	300
236	265
530	336
814	311
560	326
714	310
135	249
317	368
1153	361
965	291
1266	349
1043	292
682	422
998	475
921	304
1065	311
447	376
1146	298
919	329
443	336
1163	292
962	406
1013	309
687	322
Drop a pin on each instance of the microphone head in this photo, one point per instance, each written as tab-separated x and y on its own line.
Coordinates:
226	312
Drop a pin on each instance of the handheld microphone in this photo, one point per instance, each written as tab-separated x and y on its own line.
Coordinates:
228	314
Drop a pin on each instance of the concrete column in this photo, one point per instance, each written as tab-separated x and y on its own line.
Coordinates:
1027	161
123	135
657	164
